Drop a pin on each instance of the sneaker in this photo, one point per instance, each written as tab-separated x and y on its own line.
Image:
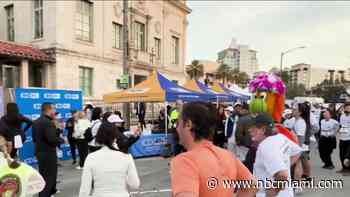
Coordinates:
331	167
79	168
74	162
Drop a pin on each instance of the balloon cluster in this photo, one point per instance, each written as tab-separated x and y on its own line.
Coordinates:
267	82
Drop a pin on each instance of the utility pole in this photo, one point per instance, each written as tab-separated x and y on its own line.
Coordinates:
126	108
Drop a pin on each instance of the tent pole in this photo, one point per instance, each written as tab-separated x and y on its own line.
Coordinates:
166	119
152	113
217	102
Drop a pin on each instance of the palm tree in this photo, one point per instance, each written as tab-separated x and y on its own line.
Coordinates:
243	79
195	70
223	72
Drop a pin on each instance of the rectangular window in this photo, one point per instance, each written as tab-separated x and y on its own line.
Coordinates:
86	80
38	19
140	36
10	22
174	50
118	84
117	32
84	20
157	48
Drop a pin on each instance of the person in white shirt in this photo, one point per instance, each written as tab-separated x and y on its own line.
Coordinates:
274	156
108	172
328	142
95	125
344	137
80	128
302	128
289	120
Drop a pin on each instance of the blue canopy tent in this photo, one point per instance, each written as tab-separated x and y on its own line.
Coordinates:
240	96
197	86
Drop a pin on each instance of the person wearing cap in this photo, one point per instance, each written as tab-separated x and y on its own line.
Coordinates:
274	156
124	142
289	120
230	121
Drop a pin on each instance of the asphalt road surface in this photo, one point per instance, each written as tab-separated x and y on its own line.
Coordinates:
155	181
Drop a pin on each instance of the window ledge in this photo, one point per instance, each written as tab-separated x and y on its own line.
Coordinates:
87	43
117	49
38	40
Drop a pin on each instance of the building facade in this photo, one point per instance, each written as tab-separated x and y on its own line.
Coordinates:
84	38
239	57
310	76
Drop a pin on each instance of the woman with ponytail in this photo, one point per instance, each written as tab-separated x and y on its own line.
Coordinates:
108	172
17	179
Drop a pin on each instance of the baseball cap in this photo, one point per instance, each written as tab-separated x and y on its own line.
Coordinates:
262	119
229	108
237	104
286	112
115	119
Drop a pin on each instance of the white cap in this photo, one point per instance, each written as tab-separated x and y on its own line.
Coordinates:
287	112
115	119
229	108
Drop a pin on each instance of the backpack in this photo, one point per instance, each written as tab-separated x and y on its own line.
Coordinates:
88	133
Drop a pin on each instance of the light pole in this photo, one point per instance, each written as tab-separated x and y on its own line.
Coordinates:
284	53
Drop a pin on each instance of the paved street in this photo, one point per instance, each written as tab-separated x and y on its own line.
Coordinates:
154	175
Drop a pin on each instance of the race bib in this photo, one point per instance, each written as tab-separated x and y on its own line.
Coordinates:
18	142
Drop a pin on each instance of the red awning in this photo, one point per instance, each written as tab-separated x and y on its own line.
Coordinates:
12	49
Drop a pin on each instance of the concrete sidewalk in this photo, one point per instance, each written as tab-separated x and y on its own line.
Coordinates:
154	174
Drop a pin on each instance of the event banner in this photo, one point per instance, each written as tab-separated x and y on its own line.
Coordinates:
29	102
150	145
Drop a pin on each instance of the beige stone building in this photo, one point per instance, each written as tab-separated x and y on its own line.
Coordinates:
84	40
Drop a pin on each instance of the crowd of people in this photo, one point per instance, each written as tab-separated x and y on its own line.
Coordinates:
212	143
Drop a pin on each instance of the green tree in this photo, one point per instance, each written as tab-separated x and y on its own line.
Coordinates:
223	73
239	78
294	90
195	70
286	77
329	91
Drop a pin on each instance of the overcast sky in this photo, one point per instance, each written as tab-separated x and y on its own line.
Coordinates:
270	28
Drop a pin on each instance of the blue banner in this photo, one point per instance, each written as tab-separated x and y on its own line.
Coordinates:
29	102
150	145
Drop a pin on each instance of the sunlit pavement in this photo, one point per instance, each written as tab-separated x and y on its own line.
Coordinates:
154	174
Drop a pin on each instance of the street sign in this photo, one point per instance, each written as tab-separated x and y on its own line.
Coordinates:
124	79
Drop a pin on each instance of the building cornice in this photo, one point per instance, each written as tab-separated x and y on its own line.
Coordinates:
182	6
54	51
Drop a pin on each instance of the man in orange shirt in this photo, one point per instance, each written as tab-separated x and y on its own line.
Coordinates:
203	169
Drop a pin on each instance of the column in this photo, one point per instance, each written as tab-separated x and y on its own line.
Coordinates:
24	74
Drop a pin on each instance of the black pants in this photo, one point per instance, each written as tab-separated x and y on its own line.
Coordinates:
94	148
13	153
344	148
73	148
250	158
83	151
48	169
326	147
